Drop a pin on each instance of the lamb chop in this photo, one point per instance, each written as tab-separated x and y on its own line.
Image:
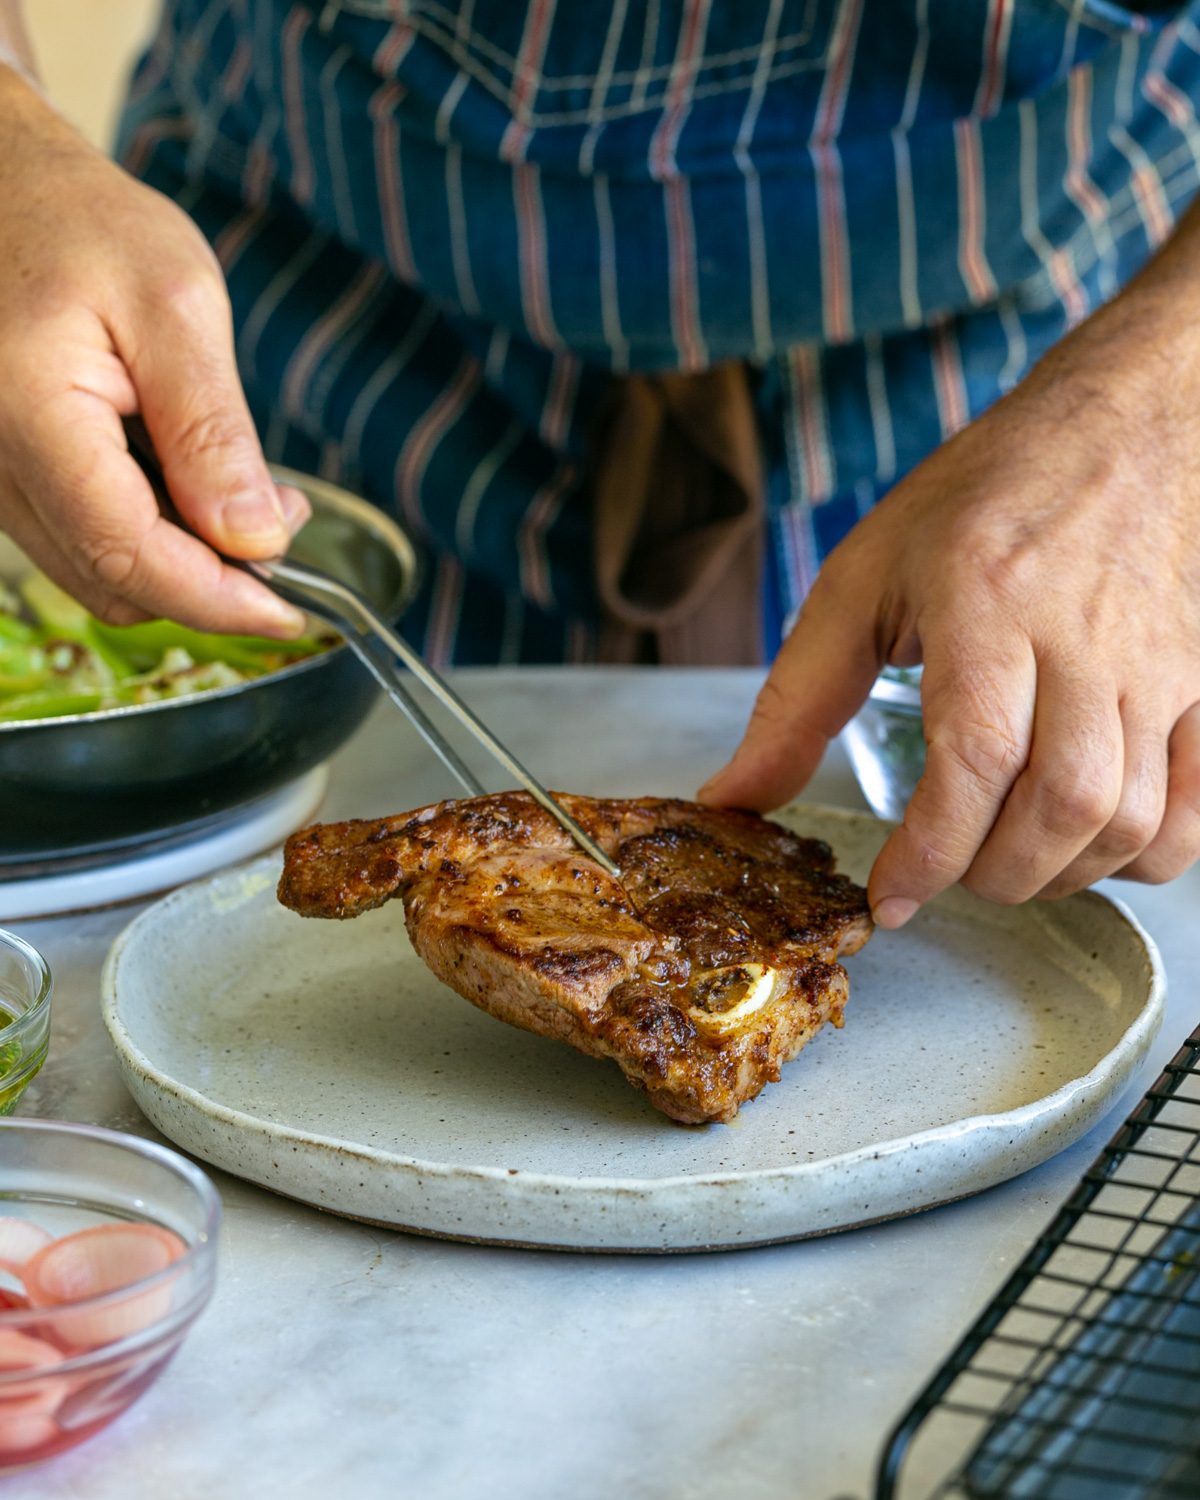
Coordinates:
709	965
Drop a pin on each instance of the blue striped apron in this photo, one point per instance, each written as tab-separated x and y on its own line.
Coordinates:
448	227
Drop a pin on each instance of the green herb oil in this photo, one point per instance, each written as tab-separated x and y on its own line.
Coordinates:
13	1064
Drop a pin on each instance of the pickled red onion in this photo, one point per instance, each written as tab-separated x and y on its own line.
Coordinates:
19	1240
24	1431
38	1396
96	1261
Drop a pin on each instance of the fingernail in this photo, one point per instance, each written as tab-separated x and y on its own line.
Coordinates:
893	911
290	620
296	509
252	517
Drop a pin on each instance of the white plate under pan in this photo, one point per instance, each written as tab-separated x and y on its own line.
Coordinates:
324	1061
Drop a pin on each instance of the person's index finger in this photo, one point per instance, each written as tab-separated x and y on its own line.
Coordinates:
185	580
977	701
100	505
174	575
819	680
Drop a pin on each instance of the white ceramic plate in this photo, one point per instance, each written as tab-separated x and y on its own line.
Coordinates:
324	1061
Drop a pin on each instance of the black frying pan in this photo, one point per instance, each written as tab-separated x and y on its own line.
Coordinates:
74	787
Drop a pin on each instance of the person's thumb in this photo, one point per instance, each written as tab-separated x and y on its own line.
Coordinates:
820	678
192	403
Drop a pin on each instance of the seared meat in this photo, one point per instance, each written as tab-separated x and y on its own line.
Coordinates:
706	968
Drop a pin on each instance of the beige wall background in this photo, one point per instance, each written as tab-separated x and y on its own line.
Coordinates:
85	49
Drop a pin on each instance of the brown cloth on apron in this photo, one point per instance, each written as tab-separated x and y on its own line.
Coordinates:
679	520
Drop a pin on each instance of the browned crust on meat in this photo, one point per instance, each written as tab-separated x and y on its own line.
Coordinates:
505	909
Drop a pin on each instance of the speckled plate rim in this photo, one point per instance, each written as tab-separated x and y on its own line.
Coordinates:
1112	1071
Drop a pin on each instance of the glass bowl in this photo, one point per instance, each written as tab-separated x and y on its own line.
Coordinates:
886	743
25	987
68	1368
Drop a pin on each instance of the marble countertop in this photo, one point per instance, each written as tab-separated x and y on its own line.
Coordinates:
338	1360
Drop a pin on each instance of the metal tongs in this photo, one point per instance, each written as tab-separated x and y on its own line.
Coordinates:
379	648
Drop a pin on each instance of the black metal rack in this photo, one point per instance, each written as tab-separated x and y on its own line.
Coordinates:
1081	1379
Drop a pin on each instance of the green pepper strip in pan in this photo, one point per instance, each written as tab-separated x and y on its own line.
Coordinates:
143	646
71	663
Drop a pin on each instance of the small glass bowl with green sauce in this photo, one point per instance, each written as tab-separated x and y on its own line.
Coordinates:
25	987
886	742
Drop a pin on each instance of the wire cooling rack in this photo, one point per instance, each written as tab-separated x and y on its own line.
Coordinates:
1081	1380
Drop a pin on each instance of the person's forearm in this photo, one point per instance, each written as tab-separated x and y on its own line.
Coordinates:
1143	344
15	48
1173	266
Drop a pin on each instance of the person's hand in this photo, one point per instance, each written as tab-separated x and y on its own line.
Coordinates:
112	304
1045	567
